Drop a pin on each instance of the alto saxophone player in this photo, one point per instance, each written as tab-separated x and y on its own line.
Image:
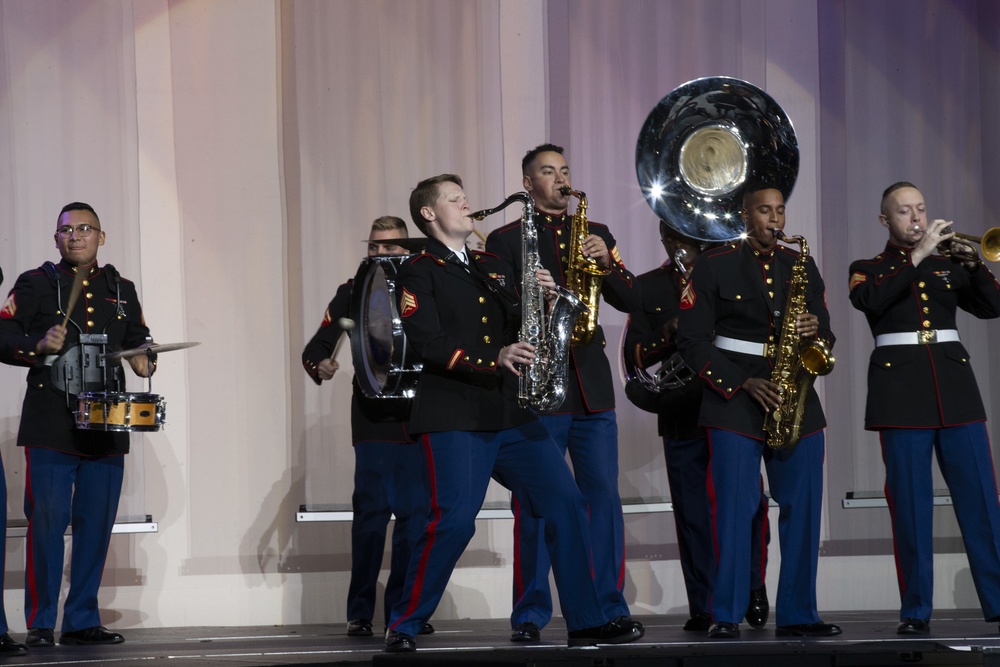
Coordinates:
730	323
651	338
923	398
585	424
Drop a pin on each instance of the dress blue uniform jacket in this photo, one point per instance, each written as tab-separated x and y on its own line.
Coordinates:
728	295
458	329
31	310
897	297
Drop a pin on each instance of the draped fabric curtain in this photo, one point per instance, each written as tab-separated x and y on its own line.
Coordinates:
238	150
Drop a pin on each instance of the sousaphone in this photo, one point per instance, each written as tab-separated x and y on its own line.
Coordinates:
700	147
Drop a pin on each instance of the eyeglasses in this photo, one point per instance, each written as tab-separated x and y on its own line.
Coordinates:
81	231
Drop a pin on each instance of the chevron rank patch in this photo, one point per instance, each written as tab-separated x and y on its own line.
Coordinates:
407	303
617	257
9	308
856	279
687	296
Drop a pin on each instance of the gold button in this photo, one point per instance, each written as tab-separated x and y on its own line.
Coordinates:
964	360
719	381
927	324
492	364
562	246
948	286
739	296
486	339
887	364
485	319
767	266
921	284
90	309
926	310
89	295
479	361
658	309
558	232
769	281
923	296
86	283
90	323
708	372
729	390
40	386
482	299
466	358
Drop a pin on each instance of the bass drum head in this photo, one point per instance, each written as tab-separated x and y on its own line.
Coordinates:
383	363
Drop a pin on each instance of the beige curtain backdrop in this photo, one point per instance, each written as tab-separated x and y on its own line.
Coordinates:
237	151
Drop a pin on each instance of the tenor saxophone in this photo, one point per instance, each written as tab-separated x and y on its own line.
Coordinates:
583	275
542	384
797	362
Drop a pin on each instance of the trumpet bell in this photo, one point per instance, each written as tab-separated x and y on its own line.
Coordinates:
702	144
990	243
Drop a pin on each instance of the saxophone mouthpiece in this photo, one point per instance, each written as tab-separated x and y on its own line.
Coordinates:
778	234
565	190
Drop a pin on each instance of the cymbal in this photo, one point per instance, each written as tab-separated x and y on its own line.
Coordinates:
154	348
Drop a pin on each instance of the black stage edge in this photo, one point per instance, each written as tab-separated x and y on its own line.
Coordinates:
869	639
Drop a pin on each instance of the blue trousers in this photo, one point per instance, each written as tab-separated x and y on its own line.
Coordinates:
526	461
963	454
62	490
3	556
592	442
687	475
389	478
796	484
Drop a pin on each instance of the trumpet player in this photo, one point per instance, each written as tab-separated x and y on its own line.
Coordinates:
732	316
651	338
923	399
585	424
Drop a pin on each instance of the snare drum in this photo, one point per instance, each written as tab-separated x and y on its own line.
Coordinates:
384	364
120	411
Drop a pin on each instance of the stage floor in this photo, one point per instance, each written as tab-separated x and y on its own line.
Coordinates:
957	638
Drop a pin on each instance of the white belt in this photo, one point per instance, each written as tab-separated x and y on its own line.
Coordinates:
743	346
917	337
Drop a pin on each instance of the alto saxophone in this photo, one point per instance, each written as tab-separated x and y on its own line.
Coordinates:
542	384
583	275
798	362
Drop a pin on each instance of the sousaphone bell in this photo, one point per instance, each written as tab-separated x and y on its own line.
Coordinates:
702	144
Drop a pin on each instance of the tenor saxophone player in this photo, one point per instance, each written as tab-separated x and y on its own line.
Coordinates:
457	308
729	323
585	424
651	338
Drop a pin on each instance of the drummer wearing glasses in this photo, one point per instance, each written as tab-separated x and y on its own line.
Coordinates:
72	474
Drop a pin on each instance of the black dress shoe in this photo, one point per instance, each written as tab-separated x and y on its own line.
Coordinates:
913	626
397	642
698	623
758	608
428	629
95	635
359	627
10	647
525	632
808	630
39	637
724	631
619	631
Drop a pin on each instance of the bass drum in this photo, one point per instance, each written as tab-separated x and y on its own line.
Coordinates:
384	364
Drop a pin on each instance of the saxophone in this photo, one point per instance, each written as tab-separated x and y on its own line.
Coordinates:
798	362
583	276
542	384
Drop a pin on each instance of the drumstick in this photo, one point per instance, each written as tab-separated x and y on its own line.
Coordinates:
346	324
74	293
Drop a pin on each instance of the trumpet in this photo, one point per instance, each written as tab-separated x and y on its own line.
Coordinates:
989	242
